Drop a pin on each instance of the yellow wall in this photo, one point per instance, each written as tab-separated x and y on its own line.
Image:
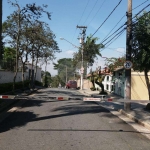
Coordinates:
87	84
138	86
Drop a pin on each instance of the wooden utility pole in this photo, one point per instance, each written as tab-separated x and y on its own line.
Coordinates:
82	44
127	106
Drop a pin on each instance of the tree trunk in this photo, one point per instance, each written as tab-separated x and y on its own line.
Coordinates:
23	65
148	87
35	73
147	82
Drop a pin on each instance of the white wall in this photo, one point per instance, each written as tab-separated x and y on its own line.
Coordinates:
7	76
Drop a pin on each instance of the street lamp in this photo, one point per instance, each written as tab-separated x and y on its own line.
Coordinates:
61	38
82	69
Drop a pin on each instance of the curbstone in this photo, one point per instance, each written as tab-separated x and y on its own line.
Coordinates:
146	125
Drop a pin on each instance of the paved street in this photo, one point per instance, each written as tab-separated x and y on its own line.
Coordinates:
44	123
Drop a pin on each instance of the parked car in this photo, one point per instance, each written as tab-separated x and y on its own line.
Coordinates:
71	84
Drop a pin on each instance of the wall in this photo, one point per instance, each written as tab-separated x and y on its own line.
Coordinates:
138	86
87	84
119	82
7	76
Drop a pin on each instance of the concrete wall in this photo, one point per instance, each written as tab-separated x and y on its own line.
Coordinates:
86	84
7	76
138	86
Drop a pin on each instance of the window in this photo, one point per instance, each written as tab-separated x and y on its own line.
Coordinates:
107	87
107	78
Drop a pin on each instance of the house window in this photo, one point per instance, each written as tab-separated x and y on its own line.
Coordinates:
107	78
107	87
112	88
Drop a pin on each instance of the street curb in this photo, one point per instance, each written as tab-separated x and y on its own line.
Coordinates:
135	119
146	125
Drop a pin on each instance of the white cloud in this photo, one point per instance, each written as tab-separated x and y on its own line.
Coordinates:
121	50
70	52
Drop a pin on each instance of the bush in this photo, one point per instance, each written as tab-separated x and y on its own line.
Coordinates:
7	87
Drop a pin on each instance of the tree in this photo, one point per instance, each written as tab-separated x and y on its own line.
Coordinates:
113	63
66	70
141	46
9	58
16	26
90	52
46	79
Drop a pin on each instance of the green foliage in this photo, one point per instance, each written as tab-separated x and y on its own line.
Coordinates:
55	81
65	69
90	52
46	79
113	63
141	43
7	87
9	58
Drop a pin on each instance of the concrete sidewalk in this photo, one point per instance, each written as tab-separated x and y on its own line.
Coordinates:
138	113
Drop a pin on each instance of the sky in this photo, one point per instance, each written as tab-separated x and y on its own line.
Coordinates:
94	14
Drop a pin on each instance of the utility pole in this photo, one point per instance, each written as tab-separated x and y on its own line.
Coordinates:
127	106
83	28
66	74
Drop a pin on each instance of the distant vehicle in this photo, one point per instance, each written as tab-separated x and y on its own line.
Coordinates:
71	84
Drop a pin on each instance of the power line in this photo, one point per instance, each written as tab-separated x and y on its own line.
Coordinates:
84	10
118	34
125	24
80	18
90	12
107	17
121	19
97	12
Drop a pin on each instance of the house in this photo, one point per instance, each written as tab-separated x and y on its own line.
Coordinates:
138	84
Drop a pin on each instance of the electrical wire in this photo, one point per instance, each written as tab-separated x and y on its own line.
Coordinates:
90	12
97	12
107	17
116	36
126	24
84	10
80	18
121	19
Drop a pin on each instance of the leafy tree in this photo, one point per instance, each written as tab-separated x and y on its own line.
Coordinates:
55	81
20	27
113	63
9	58
141	46
66	70
90	52
46	79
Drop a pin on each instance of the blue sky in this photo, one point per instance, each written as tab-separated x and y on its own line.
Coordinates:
67	14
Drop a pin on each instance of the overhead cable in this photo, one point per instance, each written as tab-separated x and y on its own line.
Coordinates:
107	17
97	12
90	12
121	19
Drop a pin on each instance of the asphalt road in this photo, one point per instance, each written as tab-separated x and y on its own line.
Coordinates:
44	123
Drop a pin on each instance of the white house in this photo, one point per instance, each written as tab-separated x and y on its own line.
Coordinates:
107	82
